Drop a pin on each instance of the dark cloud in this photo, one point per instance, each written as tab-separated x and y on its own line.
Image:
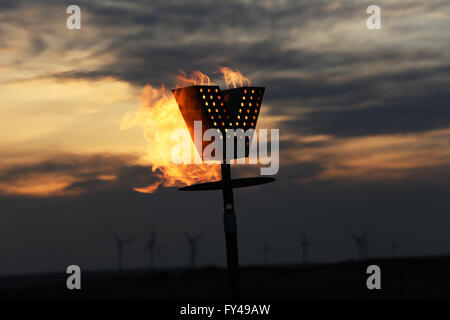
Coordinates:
392	116
151	42
265	40
8	4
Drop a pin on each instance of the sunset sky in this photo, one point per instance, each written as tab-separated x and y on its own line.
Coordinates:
364	123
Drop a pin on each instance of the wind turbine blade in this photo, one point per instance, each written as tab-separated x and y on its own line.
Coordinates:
355	237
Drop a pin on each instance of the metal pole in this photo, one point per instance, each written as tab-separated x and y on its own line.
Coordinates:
230	226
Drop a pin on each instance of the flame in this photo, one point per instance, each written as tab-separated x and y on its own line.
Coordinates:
233	77
159	116
197	78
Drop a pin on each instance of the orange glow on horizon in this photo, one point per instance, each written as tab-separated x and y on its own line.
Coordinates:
40	186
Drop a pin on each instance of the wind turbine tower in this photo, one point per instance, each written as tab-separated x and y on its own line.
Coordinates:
153	247
305	243
120	242
193	248
362	241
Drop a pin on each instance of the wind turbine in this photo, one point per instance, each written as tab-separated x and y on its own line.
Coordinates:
362	242
193	249
306	243
152	247
120	242
266	250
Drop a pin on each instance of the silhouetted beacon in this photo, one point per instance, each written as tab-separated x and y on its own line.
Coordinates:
237	108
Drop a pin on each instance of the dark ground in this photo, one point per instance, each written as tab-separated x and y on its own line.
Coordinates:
407	278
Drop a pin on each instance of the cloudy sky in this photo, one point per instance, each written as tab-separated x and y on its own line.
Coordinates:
364	123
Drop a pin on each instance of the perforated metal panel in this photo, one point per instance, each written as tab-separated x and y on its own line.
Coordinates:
222	110
245	104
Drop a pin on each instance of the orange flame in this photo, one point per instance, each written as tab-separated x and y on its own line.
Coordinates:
197	78
159	116
233	77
